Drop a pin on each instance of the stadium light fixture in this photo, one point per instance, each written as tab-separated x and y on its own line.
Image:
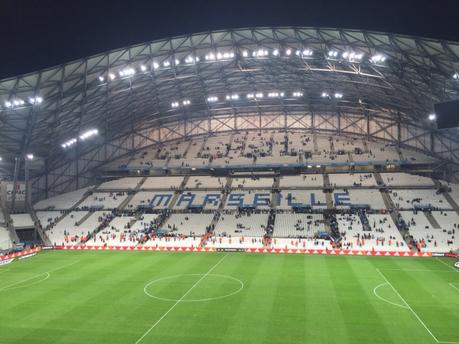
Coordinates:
166	63
101	78
155	65
175	104
186	102
378	58
128	72
143	68
29	156
276	52
338	95
332	53
297	94
8	104
35	100
432	117
275	94
245	53
209	57
352	56
456	76
250	96
288	52
88	134
325	95
212	99
112	76
259	95
1	158
232	97
69	143
189	59
177	62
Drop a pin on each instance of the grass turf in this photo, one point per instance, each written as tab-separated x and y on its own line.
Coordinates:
95	297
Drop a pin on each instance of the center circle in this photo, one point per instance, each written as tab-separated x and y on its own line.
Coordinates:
211	286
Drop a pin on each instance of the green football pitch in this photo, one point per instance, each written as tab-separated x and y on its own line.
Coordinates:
163	297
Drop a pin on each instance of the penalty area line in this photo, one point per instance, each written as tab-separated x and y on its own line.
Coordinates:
451	267
409	307
179	300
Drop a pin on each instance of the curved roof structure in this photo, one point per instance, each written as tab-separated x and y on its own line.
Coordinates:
262	70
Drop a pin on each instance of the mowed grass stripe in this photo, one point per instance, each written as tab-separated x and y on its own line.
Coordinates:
286	298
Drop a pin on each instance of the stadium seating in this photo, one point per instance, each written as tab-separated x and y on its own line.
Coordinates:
192	225
121	184
241	224
188	203
22	221
64	201
298	225
5	241
103	200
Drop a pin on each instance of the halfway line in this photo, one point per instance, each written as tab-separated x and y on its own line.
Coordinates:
179	300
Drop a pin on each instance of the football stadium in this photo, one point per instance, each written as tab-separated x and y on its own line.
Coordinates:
259	185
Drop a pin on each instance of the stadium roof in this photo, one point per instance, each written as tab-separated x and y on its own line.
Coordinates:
199	75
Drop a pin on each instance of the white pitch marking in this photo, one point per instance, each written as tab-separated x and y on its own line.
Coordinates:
451	267
47	273
409	307
11	286
416	270
383	299
241	286
179	300
452	285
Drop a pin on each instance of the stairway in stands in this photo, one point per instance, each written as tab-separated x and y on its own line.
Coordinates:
433	222
394	214
131	194
84	218
316	145
331	226
178	191
44	237
378	178
9	224
329	200
326	178
364	220
448	197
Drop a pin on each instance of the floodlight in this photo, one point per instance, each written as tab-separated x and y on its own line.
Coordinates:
432	117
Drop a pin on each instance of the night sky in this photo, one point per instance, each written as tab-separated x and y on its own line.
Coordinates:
43	33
